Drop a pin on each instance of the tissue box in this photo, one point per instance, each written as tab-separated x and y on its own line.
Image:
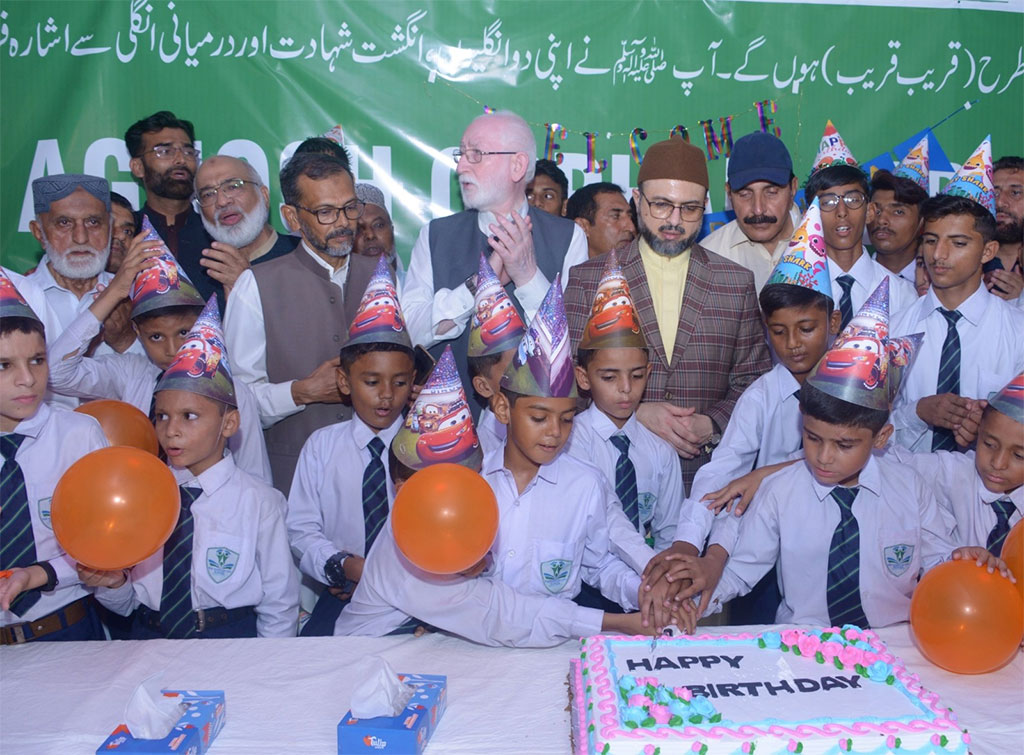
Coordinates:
198	726
406	733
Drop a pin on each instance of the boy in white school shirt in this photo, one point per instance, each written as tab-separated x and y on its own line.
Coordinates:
495	331
164	307
973	341
341	493
226	570
799	315
41	598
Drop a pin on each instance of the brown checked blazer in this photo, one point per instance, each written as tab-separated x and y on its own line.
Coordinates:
720	345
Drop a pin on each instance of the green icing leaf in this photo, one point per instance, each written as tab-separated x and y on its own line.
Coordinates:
760	643
819	657
607	747
784	647
591	728
631	724
648	722
825	636
715	718
943	740
890	679
696	719
898	741
839	663
675	721
799	747
796	650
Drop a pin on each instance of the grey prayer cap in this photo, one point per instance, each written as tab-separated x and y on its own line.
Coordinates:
370	194
50	189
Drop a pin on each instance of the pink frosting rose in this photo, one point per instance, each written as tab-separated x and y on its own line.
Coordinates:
660	714
791	636
809	645
830	650
869	658
850	656
683	693
639	701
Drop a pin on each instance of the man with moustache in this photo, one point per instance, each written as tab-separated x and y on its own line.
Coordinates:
527	247
897	223
375	234
288	318
164	159
698	311
603	214
235	208
122	230
761	185
1007	281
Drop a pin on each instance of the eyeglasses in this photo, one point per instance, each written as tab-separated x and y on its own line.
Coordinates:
329	215
163	151
853	199
474	155
228	189
661	209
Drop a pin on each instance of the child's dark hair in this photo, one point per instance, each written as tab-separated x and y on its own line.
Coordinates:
583	357
903	189
550	169
26	325
837	175
399	472
480	365
511	396
181	310
944	205
776	296
349	354
820	405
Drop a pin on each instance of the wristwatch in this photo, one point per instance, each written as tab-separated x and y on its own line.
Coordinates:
714	440
471	284
334	569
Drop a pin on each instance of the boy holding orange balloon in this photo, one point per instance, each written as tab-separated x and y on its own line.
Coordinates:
164	308
341	492
226	570
41	597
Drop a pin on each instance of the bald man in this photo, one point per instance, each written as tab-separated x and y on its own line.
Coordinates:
235	207
526	246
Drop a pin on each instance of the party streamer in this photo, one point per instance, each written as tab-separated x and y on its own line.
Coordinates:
553	131
593	165
634	148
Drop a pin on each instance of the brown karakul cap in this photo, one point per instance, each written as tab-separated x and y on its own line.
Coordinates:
676	159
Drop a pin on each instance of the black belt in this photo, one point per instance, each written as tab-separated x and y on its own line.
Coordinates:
62	618
205	618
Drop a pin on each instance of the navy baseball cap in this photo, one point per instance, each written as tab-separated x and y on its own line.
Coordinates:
759	157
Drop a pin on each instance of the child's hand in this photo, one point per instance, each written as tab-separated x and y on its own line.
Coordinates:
656	602
983	558
966	432
744	488
96	578
627	623
13	584
655	573
685	615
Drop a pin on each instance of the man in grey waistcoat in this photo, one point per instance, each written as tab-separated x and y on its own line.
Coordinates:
288	318
526	246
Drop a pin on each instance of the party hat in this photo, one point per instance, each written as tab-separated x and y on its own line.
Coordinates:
336	134
1010	400
974	179
915	165
613	320
832	151
201	364
805	263
855	368
379	319
901	353
495	325
439	427
542	364
12	303
164	284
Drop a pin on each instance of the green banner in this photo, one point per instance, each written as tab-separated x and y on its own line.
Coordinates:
403	79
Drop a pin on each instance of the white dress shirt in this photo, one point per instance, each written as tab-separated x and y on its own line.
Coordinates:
132	378
55	438
765	428
246	336
658	482
325	504
960	490
566	526
867	274
482	610
791	524
425	308
490	432
731	242
245	516
991	354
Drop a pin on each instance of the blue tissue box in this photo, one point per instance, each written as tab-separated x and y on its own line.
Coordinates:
198	726
407	733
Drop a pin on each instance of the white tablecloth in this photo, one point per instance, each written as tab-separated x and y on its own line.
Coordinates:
288	695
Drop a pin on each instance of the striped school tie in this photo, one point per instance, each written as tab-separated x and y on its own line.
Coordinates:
625	481
949	376
845	302
17	541
176	597
375	493
843	585
1004	509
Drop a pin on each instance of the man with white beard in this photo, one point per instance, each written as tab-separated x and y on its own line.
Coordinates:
235	207
72	224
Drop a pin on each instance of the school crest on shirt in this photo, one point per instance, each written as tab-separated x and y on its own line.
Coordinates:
44	512
898	558
220	563
647	502
555	574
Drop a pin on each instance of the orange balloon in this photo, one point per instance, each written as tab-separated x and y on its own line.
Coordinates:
123	424
114	507
1013	554
445	518
966	620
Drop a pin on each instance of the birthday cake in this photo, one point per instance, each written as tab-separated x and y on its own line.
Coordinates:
794	691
